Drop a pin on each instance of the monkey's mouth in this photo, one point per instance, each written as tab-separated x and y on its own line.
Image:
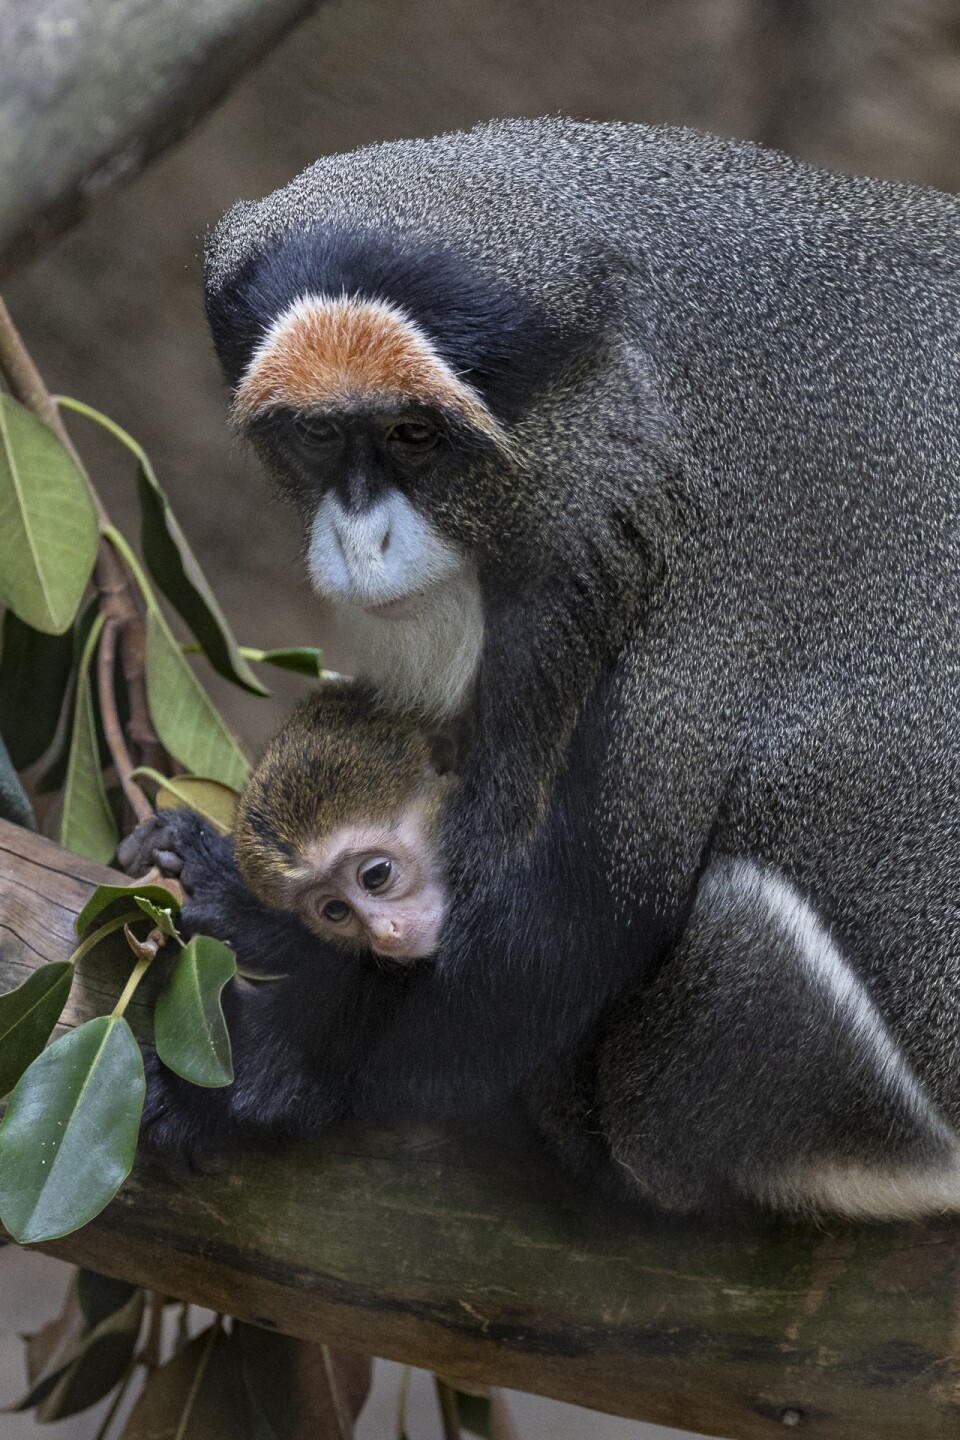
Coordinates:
407	607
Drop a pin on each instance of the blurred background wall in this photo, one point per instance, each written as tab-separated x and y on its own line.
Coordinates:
112	311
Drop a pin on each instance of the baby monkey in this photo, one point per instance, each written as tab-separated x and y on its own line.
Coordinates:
339	823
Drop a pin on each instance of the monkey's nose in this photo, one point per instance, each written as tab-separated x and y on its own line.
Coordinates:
386	934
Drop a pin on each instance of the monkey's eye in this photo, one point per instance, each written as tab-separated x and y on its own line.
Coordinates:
374	875
315	435
336	911
412	436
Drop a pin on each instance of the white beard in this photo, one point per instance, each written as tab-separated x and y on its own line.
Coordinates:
427	662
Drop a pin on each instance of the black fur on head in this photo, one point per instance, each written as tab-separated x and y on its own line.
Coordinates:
493	338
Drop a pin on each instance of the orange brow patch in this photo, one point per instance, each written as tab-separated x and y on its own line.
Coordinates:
324	352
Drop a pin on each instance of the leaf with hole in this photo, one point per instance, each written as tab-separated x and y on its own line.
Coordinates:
106	895
14	803
69	1135
27	1017
190	1032
34	677
103	1356
162	916
87	825
48	526
198	1395
186	719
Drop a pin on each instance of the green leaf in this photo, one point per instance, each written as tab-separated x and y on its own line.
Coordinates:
103	1357
198	1395
190	1032
87	825
174	566
14	804
27	1017
162	916
48	526
185	716
34	678
302	658
107	895
69	1135
100	1295
215	802
55	772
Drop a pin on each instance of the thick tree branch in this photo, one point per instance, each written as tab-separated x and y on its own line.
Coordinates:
92	90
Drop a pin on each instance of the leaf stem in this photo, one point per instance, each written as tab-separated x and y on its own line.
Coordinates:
112	729
152	1353
136	975
102	932
449	1412
112	534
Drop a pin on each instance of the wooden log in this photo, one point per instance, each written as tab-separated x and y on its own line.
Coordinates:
470	1256
92	90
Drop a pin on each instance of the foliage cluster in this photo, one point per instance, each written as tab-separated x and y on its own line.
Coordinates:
102	717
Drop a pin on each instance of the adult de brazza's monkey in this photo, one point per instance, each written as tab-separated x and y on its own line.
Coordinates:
642	447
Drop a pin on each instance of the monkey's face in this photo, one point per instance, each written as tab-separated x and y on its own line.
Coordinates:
351	474
377	886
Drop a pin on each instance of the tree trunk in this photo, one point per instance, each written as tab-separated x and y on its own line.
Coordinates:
92	90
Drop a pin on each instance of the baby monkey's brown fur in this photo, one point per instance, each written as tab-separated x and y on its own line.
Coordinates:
347	793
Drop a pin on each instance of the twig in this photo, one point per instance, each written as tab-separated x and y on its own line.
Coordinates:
119	599
449	1412
342	1419
27	386
112	729
152	1353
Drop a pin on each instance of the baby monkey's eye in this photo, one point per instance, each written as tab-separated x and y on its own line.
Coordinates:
375	874
336	912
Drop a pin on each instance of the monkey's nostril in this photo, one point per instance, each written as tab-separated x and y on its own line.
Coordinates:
385	542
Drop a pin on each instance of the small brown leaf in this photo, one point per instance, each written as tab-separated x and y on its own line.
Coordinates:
198	1395
145	949
299	1390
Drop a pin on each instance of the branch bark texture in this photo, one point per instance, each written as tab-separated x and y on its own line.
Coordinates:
92	90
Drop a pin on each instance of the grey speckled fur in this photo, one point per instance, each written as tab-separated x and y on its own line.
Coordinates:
790	693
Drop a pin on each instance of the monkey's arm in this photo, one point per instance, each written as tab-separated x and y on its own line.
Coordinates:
295	1041
346	1035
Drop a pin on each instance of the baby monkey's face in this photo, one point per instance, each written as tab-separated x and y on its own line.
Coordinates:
377	885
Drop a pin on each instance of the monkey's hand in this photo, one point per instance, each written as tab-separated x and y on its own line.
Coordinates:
188	847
